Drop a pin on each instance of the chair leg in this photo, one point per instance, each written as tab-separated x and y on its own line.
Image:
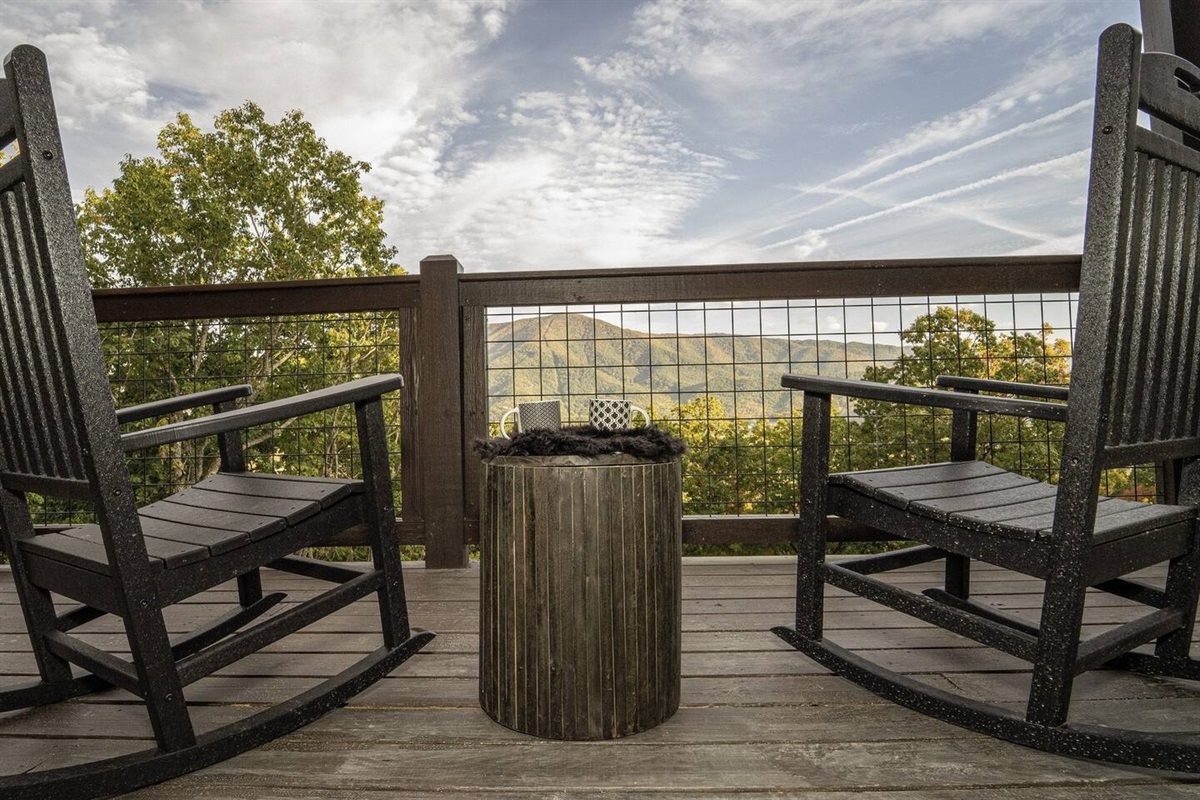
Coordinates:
964	443
813	518
1058	646
381	521
41	617
36	604
250	589
162	689
958	576
233	459
1183	592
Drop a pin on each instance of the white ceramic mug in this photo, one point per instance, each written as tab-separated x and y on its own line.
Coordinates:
536	415
611	414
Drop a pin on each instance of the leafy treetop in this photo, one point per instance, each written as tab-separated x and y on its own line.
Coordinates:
250	201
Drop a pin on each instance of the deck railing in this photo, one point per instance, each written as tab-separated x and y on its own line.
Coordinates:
443	315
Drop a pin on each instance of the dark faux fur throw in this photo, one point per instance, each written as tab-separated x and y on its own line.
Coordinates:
650	443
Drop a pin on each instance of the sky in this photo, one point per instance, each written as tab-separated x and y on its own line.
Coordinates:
569	134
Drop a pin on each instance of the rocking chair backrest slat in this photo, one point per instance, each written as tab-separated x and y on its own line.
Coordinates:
1156	396
1137	354
39	424
58	432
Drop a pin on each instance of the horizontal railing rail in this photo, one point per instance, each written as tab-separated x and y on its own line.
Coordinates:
443	333
281	298
801	279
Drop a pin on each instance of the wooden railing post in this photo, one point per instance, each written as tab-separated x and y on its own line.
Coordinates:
439	399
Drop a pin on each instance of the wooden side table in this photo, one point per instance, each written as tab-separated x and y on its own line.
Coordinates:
580	601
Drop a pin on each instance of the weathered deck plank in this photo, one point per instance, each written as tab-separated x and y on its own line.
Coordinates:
757	719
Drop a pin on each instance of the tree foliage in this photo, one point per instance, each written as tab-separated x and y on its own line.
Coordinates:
961	342
250	200
734	466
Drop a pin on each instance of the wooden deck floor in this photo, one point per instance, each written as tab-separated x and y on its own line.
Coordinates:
757	718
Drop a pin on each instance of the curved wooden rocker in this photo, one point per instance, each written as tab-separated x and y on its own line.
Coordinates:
134	562
1134	399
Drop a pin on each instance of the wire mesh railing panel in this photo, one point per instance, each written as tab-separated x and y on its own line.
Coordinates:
709	372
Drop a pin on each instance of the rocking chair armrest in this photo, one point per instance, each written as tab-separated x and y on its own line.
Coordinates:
939	398
161	408
263	413
1043	390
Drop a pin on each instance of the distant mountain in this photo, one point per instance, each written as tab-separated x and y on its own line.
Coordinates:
557	355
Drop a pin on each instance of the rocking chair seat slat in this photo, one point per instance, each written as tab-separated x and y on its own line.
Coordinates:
74	551
168	551
1018	500
291	511
918	475
199	523
950	491
985	498
254	525
215	540
1041	505
325	491
1129	518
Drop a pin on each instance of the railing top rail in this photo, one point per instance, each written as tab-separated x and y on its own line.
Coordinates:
778	266
765	281
801	279
271	298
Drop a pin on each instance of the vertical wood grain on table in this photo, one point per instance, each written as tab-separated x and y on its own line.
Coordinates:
580	592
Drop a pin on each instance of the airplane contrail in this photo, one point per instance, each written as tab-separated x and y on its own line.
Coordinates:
1030	169
1055	116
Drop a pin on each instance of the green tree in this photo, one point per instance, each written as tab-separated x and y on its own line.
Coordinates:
250	200
711	463
734	466
961	342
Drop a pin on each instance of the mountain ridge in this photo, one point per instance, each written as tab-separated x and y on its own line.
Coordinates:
578	356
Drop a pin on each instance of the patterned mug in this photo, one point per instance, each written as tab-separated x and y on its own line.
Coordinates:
536	415
610	414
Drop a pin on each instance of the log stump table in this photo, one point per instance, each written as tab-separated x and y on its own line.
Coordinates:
580	599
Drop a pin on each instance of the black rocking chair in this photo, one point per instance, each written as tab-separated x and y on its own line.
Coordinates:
1134	399
59	437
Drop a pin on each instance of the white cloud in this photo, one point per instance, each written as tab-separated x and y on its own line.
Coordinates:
810	246
978	150
571	179
759	61
375	78
1071	243
95	79
757	58
589	179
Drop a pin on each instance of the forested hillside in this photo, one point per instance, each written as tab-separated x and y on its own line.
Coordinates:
577	356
